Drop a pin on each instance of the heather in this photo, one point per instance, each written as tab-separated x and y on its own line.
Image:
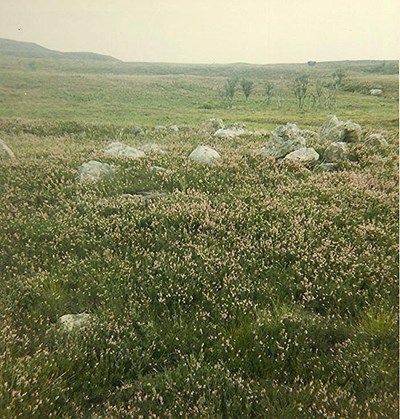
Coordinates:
249	288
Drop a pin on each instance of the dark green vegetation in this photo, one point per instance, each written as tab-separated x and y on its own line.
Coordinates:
250	289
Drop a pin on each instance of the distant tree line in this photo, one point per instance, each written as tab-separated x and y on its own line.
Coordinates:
317	94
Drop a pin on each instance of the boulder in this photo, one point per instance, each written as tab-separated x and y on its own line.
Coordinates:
310	135
137	131
375	92
336	152
284	140
173	128
351	132
204	154
377	140
74	322
118	149
93	171
5	152
338	131
231	132
161	128
302	155
211	126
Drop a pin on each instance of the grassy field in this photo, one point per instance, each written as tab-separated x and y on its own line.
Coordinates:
249	289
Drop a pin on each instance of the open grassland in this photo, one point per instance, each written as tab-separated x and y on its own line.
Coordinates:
249	289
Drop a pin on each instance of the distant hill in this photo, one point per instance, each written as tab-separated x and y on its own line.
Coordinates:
32	50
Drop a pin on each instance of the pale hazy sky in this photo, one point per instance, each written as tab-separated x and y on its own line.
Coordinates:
209	31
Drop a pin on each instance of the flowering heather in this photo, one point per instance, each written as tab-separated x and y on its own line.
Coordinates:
245	288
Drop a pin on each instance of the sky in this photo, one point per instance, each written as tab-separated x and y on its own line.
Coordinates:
209	31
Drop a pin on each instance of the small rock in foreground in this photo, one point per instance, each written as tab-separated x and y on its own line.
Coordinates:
377	140
336	152
118	149
93	171
71	322
302	155
204	154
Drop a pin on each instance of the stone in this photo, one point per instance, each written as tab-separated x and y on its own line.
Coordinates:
151	148
211	126
310	135
5	152
338	131
377	140
336	152
375	92
284	140
231	132
204	154
93	171
74	322
161	128
173	128
302	155
118	149
351	132
137	131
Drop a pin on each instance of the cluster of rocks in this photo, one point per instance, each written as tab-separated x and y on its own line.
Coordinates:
94	170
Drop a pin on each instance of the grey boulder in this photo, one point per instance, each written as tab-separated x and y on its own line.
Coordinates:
204	154
93	171
118	149
336	152
302	155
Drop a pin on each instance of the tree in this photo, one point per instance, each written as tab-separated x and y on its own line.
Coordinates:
300	89
338	76
230	89
269	89
247	87
311	63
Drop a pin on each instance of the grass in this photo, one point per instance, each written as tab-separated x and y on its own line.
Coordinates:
250	289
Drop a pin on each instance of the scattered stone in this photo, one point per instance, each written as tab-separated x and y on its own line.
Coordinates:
71	322
161	128
336	152
173	128
326	167
93	171
302	155
339	131
284	140
151	148
377	140
5	152
118	149
204	154
231	132
211	126
375	92
137	131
